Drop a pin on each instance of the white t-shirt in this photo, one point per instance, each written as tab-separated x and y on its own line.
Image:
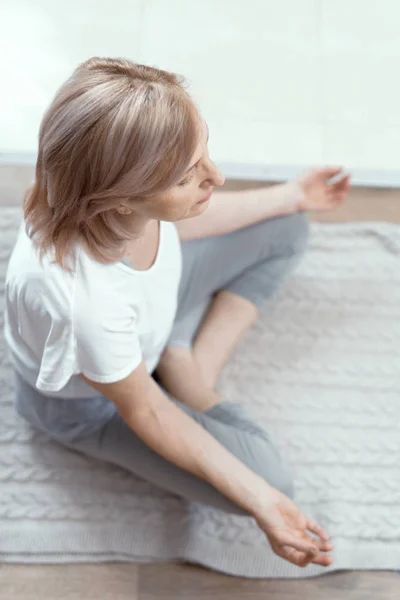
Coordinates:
100	320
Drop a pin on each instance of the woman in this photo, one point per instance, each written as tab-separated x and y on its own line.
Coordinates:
128	288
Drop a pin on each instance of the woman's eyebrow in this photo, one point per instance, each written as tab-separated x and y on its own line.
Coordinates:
193	166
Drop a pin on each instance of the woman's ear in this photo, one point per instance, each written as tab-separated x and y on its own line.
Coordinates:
124	210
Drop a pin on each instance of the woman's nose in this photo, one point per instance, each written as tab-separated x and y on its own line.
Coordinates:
218	178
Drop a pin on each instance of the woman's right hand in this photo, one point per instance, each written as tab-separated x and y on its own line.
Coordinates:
287	530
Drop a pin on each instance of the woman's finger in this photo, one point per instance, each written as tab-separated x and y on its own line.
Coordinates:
302	559
347	180
317	529
308	546
342	185
323	560
297	558
325	546
321	544
330	172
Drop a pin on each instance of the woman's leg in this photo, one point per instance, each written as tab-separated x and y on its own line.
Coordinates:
92	426
226	282
228	318
228	423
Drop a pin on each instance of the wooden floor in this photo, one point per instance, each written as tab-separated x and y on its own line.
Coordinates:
172	582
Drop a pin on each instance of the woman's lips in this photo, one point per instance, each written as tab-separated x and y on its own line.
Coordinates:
205	199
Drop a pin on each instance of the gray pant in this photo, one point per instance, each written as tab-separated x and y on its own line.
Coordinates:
251	262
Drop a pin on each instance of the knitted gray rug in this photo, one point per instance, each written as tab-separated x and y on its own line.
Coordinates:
322	372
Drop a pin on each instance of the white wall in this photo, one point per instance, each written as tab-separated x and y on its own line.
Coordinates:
281	82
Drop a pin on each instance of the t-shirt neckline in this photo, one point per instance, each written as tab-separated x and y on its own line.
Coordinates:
141	273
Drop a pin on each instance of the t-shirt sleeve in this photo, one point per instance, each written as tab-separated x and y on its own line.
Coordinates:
107	343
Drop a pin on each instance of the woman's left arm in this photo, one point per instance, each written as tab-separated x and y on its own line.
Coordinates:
230	211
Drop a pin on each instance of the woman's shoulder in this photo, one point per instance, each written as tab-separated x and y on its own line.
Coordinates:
26	268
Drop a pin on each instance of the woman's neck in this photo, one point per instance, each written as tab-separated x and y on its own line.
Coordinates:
142	250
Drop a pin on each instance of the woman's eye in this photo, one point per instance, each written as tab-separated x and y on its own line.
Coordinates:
185	182
188	179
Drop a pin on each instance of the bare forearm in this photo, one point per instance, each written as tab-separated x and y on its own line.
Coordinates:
175	436
230	211
179	439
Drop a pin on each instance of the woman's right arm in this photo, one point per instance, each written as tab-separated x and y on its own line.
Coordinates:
172	434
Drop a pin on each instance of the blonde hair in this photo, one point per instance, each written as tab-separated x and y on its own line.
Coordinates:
116	131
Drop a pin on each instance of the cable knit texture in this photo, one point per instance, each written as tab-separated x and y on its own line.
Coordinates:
321	370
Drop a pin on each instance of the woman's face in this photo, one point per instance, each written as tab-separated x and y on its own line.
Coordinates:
190	196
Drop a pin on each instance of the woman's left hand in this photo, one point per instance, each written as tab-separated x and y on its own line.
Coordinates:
316	193
289	532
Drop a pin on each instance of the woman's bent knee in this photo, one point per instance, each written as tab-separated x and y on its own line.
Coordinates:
280	479
285	483
285	236
270	466
251	444
296	232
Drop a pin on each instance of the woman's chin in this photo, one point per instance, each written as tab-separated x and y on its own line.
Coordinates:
200	207
194	211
